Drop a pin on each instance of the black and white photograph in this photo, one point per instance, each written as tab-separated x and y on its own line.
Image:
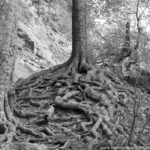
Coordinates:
74	74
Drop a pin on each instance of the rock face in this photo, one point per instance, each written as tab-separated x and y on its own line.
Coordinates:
44	35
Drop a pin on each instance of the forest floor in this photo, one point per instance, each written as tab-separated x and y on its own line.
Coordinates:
78	112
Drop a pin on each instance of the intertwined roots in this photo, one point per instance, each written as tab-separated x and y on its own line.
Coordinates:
77	111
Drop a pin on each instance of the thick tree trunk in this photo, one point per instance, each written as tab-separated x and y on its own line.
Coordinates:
79	34
78	59
7	45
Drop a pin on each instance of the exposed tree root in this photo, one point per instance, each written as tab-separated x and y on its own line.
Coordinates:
93	104
30	132
96	126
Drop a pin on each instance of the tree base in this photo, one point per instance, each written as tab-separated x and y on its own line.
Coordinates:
91	106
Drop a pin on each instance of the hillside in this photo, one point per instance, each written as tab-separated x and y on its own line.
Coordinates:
44	38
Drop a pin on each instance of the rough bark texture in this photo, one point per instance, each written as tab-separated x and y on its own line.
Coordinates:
79	31
7	45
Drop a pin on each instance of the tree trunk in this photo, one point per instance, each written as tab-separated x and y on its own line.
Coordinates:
79	34
126	50
7	45
78	59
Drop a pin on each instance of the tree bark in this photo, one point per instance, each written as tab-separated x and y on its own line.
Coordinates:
78	57
79	34
7	45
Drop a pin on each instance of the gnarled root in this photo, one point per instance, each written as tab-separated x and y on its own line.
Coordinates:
76	104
